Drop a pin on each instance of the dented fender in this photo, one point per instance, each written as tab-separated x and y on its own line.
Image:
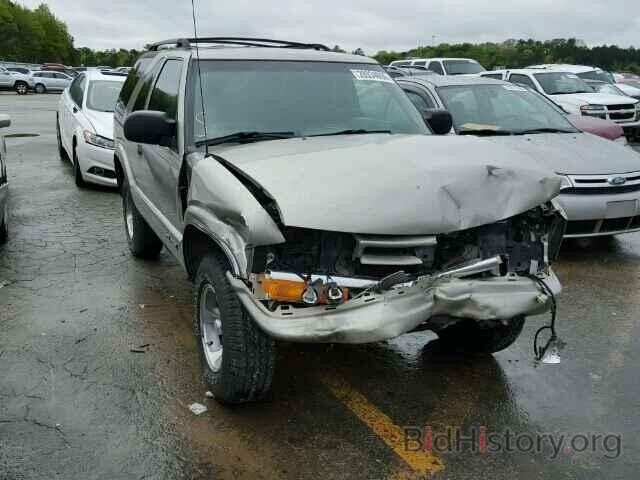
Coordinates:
220	206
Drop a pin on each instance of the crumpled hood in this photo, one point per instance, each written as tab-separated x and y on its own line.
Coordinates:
393	184
102	122
577	154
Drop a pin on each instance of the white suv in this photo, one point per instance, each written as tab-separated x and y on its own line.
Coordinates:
571	93
443	66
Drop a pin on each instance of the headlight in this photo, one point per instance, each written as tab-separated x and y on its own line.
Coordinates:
565	182
97	140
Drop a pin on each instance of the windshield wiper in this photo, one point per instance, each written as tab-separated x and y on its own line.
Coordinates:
543	130
486	132
352	131
248	136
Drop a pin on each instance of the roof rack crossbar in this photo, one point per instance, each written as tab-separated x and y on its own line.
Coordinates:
246	41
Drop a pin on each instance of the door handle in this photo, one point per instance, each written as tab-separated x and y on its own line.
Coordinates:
75	109
139	149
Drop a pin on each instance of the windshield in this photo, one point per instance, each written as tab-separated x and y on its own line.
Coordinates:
305	98
597	75
462	67
608	89
558	83
500	108
103	94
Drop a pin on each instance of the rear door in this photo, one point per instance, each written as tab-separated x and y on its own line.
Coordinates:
5	78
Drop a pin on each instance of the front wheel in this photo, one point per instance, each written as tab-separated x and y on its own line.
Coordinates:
61	150
77	171
467	336
142	240
4	230
40	88
238	359
21	88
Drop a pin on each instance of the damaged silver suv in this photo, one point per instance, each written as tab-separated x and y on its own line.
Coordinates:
310	201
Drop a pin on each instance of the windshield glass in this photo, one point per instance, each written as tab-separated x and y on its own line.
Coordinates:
103	94
305	98
597	75
558	83
607	88
462	67
500	108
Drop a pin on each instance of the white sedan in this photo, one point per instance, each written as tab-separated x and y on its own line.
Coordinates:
84	124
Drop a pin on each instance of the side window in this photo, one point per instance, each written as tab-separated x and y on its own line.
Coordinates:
76	90
522	80
164	96
131	82
436	67
143	93
421	102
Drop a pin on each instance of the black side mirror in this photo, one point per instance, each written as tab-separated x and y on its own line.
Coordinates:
147	126
440	121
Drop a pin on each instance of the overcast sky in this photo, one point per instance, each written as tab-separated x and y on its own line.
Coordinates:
370	24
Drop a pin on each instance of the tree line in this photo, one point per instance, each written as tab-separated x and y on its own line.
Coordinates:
521	53
37	36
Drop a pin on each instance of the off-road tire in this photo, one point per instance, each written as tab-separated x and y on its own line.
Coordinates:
77	172
467	336
248	355
142	240
21	88
40	88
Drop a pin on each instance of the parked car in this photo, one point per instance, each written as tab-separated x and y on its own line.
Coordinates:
311	218
601	180
593	73
602	128
5	122
572	93
15	81
58	67
50	81
624	77
443	66
84	126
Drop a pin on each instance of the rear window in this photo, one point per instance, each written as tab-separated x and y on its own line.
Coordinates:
462	67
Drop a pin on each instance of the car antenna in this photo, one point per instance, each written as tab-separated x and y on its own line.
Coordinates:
195	34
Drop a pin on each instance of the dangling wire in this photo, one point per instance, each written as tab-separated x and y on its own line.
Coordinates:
539	352
195	34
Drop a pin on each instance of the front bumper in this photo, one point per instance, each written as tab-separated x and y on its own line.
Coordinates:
94	160
596	215
375	316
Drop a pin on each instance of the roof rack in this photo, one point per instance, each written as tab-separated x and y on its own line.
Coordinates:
244	41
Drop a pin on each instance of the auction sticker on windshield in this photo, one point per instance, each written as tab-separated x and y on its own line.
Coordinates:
372	76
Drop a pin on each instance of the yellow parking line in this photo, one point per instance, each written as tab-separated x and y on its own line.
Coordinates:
421	463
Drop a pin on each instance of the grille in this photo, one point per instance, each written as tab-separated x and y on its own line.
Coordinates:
620	107
591	227
599	184
601	190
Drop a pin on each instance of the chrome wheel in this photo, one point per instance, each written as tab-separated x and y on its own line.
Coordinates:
211	327
21	88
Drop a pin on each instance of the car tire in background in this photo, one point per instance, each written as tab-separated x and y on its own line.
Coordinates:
238	359
61	151
467	336
40	88
142	240
21	88
77	171
4	230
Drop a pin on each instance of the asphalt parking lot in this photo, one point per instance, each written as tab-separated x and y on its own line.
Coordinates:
98	364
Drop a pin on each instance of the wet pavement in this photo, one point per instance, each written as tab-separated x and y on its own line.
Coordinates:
77	403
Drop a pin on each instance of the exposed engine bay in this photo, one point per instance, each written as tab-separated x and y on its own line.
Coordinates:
319	267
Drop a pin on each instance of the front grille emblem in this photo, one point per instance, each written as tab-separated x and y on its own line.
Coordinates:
616	181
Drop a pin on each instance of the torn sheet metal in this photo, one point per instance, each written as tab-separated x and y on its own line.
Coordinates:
373	316
393	184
